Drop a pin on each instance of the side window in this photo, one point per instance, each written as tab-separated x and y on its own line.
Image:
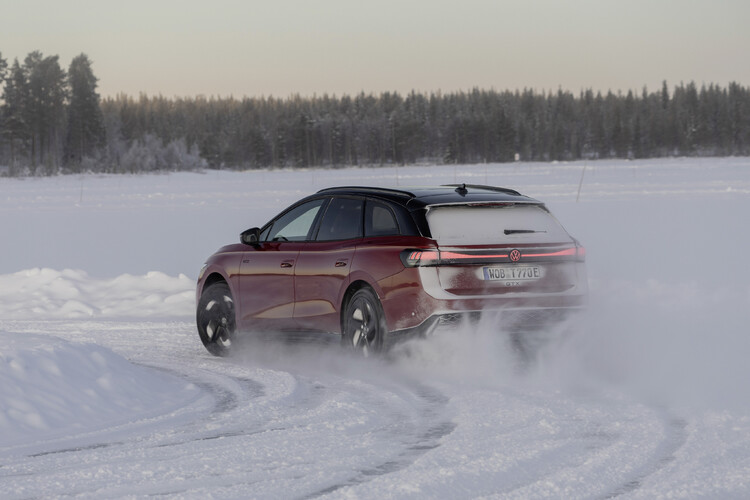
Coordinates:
295	224
342	220
379	220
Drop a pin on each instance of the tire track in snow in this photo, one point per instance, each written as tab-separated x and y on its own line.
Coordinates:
676	437
588	446
434	427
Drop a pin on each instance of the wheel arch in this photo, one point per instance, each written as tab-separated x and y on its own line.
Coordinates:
212	278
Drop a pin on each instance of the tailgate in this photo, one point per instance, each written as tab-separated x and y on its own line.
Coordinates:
491	249
550	268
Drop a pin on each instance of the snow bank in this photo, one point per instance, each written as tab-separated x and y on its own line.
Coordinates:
50	294
51	387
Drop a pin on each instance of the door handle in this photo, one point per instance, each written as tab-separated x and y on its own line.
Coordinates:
287	263
341	263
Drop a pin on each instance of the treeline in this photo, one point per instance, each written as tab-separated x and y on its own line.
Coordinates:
53	121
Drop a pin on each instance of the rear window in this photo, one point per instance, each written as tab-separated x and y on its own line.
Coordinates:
379	220
466	225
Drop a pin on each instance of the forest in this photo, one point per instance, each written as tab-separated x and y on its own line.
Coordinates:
53	121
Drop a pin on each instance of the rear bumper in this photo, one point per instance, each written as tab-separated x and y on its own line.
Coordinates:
423	305
507	320
510	320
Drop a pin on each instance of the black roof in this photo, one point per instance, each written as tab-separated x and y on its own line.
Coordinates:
417	197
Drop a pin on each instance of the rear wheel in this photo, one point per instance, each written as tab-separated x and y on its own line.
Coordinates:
364	328
215	318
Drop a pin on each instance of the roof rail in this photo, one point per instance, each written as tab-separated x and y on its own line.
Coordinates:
488	188
369	189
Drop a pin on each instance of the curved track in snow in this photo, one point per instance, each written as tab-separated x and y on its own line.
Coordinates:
307	421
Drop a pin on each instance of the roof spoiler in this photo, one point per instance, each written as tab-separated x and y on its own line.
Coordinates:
369	189
464	188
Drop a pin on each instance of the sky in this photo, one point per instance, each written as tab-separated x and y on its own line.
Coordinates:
184	48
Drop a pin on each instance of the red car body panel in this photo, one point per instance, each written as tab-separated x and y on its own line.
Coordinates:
266	285
320	281
378	262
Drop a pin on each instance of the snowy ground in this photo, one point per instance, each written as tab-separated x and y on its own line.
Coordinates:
106	391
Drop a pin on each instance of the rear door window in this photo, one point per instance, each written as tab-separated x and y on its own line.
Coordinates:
342	220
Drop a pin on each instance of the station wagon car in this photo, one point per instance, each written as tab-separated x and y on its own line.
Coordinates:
377	264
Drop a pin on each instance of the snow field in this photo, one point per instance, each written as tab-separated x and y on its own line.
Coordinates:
106	391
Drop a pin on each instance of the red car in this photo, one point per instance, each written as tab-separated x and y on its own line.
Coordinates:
376	264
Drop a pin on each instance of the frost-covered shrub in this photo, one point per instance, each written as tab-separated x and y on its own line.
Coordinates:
150	155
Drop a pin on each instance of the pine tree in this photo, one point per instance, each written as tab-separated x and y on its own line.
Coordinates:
45	109
3	68
15	128
86	132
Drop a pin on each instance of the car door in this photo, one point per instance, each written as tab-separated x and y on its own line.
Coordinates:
323	266
267	269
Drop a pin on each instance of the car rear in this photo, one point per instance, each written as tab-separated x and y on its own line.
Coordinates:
510	257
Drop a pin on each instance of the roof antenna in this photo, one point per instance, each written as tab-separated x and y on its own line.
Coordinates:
462	190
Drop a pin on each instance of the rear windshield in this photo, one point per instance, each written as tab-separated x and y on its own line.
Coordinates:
467	225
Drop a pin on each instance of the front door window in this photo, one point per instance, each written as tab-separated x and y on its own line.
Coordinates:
295	225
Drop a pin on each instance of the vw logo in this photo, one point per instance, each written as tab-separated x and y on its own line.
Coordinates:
515	255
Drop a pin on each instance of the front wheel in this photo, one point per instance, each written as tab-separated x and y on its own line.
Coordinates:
364	327
215	318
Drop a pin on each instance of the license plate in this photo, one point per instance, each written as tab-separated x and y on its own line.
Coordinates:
513	275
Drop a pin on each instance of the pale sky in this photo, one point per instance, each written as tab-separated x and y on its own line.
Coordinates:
277	47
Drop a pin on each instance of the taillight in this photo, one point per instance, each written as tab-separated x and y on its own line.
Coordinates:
580	253
420	258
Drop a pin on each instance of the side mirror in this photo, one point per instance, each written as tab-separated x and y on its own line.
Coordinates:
251	236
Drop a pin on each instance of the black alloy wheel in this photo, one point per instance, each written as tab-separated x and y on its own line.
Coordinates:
364	323
215	318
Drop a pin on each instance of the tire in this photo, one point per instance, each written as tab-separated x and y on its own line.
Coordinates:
364	328
216	320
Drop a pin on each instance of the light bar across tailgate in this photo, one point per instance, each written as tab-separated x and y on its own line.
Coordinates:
435	257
